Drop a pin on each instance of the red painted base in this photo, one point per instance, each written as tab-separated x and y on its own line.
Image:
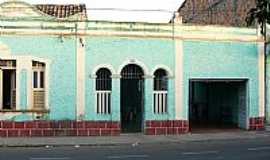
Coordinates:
256	124
98	128
58	128
166	127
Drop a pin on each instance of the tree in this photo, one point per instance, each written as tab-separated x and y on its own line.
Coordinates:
259	15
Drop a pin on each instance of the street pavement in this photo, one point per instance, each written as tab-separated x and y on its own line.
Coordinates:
233	149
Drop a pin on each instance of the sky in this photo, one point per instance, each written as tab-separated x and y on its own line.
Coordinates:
154	16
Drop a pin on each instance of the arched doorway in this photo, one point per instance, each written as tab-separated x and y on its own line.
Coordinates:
132	98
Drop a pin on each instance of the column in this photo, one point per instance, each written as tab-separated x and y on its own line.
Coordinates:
24	78
116	98
148	98
81	43
179	81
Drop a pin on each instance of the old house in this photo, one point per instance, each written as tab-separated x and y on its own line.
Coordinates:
63	75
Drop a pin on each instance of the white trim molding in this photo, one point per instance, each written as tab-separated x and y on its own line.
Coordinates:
134	61
107	66
166	68
47	80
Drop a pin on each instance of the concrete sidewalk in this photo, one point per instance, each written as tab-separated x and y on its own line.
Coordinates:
129	139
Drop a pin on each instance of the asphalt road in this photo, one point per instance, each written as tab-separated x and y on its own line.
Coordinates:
252	149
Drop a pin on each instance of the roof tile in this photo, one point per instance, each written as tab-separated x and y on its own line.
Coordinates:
216	12
62	11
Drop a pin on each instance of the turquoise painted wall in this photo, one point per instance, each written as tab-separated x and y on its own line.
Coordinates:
62	54
115	51
23	89
201	60
223	60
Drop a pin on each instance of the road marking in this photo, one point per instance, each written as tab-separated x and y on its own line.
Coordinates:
200	153
259	148
127	156
49	158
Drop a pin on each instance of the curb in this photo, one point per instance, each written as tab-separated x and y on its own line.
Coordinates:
189	138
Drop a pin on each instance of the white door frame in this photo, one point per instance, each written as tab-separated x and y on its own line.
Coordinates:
1	90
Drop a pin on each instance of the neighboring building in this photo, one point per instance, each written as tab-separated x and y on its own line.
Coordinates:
216	12
63	75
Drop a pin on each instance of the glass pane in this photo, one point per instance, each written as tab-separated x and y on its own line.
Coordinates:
41	79
35	80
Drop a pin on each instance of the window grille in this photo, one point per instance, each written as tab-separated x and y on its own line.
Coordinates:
160	92
132	71
103	91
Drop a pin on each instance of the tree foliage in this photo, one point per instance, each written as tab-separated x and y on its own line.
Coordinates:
260	14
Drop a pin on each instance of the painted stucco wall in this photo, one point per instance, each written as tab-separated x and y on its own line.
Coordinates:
268	87
222	60
62	79
23	89
115	51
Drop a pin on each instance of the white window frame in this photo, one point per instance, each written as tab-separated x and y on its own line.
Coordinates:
39	70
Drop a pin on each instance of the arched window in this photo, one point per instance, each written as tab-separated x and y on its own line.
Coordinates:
160	80
103	80
103	91
160	91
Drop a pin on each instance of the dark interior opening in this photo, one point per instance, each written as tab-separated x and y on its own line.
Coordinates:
217	105
7	89
132	87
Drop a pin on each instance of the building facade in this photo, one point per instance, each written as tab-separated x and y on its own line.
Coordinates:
62	75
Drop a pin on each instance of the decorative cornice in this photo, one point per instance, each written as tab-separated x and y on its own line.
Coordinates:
140	30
